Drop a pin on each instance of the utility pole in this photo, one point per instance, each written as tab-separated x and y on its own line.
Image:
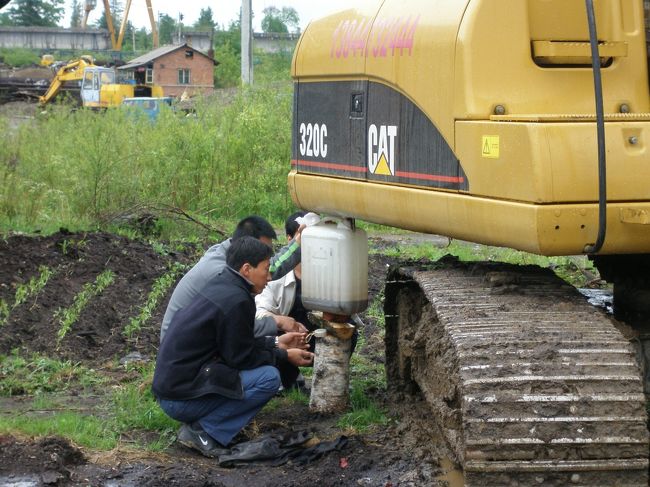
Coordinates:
246	43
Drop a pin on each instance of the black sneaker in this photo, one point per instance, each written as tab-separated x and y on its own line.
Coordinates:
194	437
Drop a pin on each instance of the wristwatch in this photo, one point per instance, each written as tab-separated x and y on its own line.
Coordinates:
277	342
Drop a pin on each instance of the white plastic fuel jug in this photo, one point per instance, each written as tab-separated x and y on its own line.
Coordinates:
334	267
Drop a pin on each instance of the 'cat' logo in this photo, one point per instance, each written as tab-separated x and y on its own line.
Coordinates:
381	149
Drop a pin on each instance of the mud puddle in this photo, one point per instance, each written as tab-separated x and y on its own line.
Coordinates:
600	298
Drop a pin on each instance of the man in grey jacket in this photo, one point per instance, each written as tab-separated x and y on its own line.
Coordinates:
213	263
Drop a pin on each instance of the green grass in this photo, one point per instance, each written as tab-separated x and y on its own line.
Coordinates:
37	374
88	431
376	310
366	378
19	57
230	161
128	407
576	270
132	407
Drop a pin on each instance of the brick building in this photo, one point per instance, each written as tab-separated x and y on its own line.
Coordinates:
178	69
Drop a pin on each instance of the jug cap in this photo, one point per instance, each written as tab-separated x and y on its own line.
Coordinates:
308	220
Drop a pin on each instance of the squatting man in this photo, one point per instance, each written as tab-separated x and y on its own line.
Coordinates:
212	372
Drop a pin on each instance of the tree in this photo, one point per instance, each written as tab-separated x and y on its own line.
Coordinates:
36	13
143	41
75	16
116	13
206	21
166	29
276	20
230	37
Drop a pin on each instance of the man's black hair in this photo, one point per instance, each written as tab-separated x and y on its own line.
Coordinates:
254	226
291	225
247	250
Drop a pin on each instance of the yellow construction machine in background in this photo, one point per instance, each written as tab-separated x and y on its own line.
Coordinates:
98	85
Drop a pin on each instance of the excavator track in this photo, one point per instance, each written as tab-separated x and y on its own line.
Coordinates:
530	384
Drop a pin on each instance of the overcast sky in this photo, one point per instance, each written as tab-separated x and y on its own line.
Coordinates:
223	11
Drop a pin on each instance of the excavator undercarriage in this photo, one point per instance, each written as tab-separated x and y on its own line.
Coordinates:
530	384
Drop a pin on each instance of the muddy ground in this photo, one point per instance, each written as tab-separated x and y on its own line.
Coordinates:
402	454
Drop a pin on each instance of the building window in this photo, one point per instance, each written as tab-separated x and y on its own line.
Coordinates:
183	76
149	76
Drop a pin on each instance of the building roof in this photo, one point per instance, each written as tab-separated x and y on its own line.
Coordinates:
157	53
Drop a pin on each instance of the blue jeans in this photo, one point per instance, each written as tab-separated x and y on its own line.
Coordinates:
223	418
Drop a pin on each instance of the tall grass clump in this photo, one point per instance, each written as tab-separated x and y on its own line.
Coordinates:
18	57
75	168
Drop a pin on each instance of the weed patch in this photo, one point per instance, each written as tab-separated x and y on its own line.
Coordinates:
37	374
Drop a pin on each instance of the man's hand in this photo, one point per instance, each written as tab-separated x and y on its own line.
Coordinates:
293	340
288	324
297	235
299	358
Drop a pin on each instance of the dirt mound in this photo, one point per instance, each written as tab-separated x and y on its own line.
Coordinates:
70	264
51	458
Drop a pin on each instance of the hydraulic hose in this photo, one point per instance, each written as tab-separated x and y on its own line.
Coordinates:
600	125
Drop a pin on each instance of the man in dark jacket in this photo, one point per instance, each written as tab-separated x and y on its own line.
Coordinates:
214	261
211	372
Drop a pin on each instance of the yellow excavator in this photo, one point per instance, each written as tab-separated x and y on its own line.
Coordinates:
98	85
515	123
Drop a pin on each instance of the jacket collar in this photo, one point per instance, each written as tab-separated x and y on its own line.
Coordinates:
289	279
232	275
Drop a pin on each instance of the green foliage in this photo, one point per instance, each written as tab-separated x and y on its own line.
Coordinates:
228	72
205	21
25	291
366	378
69	316
75	15
158	292
33	286
116	16
130	406
38	374
229	161
166	29
4	312
36	13
273	67
376	310
84	430
19	57
364	414
231	36
280	21
133	406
